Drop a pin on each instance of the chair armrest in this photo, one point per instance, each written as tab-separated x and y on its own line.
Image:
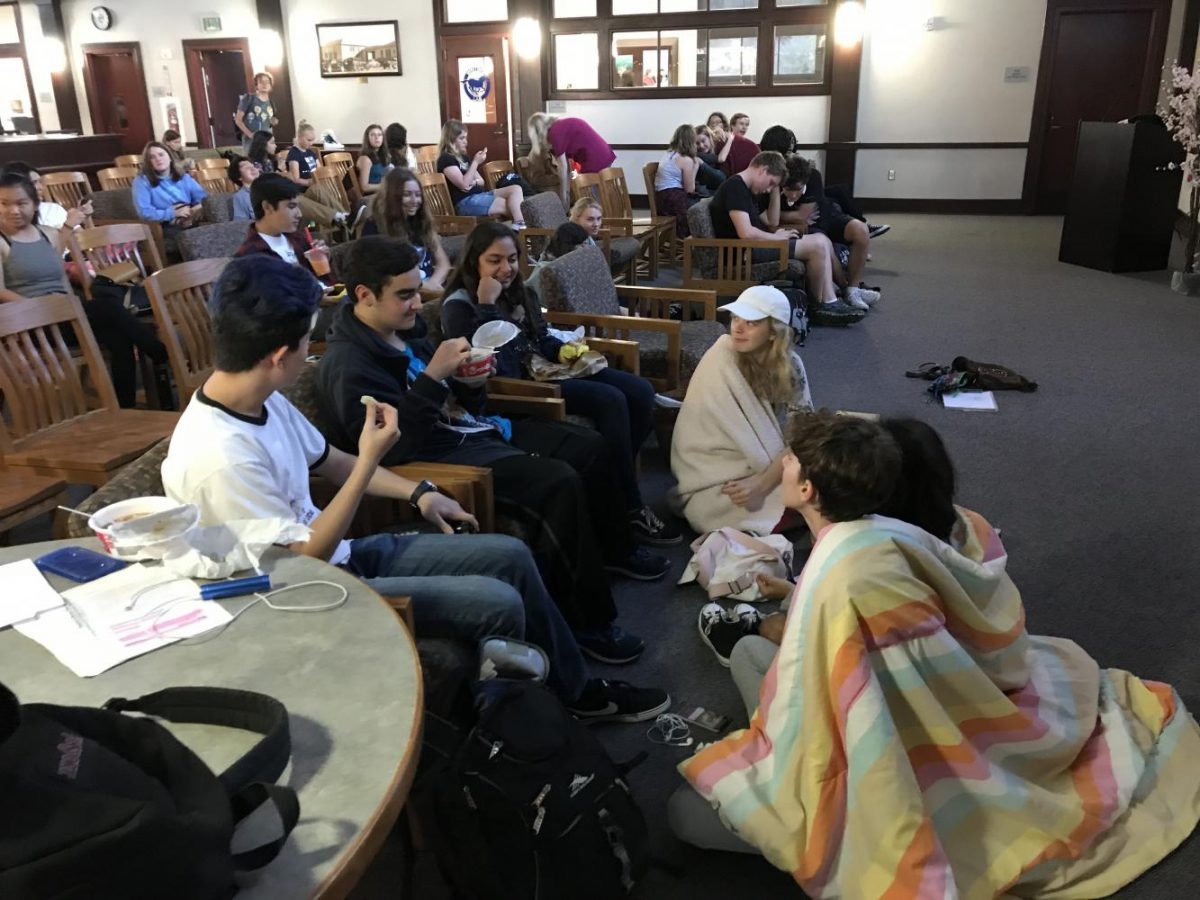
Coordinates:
471	486
551	408
624	354
619	325
521	387
450	225
656	301
402	606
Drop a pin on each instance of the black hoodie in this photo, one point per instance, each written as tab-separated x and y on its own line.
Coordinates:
358	361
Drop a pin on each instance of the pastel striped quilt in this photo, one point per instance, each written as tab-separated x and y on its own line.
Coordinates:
912	741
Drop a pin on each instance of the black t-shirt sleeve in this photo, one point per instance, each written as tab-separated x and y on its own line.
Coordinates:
733	195
446	161
814	188
296	155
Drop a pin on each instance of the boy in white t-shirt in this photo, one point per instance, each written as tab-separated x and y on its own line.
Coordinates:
242	451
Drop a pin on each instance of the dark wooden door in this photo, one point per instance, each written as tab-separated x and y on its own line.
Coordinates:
116	92
219	73
1100	63
475	89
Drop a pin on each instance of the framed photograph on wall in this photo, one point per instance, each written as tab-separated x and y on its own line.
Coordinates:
354	49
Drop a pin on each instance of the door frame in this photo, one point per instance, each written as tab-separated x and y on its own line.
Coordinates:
191	59
1055	10
89	77
503	33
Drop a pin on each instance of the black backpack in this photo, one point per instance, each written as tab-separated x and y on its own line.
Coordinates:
527	805
792	287
98	805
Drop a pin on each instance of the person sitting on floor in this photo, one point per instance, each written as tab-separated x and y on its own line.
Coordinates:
905	665
242	451
378	347
243	173
736	213
675	180
31	265
468	191
727	448
398	210
276	230
163	193
487	287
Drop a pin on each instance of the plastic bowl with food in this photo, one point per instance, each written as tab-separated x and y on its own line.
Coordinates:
165	525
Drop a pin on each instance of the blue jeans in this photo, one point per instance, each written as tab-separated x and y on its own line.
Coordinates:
621	406
475	204
467	587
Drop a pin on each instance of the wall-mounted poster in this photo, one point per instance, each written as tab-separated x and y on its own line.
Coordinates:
359	48
172	115
478	100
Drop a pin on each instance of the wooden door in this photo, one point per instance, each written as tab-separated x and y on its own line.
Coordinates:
1100	63
475	90
116	93
219	73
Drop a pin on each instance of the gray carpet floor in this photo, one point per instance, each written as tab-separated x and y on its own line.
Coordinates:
1092	479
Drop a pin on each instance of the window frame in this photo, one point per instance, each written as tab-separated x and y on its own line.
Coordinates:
763	19
19	51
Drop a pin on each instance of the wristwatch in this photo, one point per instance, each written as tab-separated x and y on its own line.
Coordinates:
420	491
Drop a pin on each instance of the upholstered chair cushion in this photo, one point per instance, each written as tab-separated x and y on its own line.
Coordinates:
218	208
114	204
543	210
579	282
705	258
211	241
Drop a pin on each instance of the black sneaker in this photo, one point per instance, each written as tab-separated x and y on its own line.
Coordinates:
878	230
610	645
835	314
720	629
642	565
618	701
650	529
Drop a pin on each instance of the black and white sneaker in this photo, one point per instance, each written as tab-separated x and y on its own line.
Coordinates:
721	629
650	529
618	701
641	565
878	230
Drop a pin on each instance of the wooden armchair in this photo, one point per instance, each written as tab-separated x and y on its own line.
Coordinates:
117	177
343	163
726	265
214	181
25	497
493	171
179	297
125	252
672	250
129	159
618	204
646	239
576	293
68	189
218	163
436	195
327	181
427	159
51	429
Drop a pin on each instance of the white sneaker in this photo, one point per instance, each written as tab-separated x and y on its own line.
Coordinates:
872	297
855	298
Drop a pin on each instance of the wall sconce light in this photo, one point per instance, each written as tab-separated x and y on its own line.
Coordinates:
266	49
849	24
55	54
527	37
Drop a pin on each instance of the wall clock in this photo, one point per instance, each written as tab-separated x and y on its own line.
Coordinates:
102	17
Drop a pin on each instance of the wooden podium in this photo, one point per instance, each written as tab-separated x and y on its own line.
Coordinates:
1123	201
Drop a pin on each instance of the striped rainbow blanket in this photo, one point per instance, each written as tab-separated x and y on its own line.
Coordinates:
912	741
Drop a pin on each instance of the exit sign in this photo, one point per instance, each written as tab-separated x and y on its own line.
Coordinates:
210	23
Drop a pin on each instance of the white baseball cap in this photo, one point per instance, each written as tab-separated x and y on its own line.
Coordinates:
761	302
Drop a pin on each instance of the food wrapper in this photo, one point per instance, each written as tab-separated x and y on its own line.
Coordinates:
220	550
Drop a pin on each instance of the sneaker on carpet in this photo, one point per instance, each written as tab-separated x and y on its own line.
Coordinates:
642	565
650	529
611	644
855	298
878	230
750	617
618	701
869	295
720	630
835	314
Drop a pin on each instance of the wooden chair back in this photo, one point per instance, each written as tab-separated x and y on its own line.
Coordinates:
494	171
588	184
436	193
179	297
38	375
68	189
118	177
649	174
732	263
129	159
331	177
427	159
343	162
614	193
212	162
122	252
214	181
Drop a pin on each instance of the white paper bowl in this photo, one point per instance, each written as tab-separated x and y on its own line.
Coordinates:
102	521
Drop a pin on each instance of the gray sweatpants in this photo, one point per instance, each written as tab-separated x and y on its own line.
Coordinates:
690	816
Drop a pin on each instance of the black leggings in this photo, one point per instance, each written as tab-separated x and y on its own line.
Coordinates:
120	332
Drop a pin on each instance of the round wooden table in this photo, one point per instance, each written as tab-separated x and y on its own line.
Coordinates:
349	678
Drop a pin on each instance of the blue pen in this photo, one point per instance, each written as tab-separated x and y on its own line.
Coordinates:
221	590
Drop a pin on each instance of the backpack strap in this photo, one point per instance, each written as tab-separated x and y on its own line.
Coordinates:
250	798
247	710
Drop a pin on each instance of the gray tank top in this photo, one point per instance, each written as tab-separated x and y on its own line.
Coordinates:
33	268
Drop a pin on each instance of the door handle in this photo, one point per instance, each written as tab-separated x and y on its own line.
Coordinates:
499	131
